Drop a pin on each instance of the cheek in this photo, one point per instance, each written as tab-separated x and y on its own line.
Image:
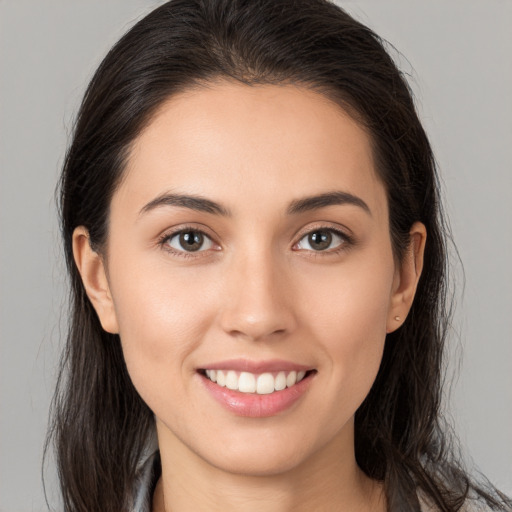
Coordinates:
347	312
162	318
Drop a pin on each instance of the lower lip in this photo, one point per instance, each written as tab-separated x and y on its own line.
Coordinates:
253	405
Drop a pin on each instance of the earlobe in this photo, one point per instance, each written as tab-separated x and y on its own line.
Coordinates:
407	278
94	277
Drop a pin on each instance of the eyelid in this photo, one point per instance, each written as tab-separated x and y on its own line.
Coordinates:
327	226
172	232
344	233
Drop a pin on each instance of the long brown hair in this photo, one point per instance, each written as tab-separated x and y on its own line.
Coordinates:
100	424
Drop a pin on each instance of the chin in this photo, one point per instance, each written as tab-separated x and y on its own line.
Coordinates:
258	463
261	452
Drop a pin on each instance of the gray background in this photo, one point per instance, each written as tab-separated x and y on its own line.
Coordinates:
459	59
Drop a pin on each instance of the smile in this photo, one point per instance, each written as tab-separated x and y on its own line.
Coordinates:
257	389
261	384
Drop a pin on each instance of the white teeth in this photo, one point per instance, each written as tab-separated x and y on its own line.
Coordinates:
231	380
247	382
291	379
212	375
265	384
280	381
221	378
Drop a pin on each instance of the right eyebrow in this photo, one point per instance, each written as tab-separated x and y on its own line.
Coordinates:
192	202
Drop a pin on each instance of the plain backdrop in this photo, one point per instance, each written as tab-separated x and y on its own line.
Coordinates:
457	54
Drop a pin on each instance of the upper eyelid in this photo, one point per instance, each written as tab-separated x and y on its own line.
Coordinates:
164	238
345	239
170	232
180	231
163	244
328	226
337	232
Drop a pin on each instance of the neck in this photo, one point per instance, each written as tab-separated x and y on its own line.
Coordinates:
330	480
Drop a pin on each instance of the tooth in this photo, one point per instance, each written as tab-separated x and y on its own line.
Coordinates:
291	379
247	383
231	380
280	381
221	378
265	384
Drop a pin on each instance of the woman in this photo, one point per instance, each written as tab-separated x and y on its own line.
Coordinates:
251	221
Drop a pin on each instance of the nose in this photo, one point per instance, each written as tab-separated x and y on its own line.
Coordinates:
258	302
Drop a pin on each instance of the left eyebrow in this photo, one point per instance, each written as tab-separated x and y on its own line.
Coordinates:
327	199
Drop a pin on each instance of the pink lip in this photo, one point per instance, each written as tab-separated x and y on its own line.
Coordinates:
253	405
245	365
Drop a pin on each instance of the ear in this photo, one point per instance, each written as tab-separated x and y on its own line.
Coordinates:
94	277
406	278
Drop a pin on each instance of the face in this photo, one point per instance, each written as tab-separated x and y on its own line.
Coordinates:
249	245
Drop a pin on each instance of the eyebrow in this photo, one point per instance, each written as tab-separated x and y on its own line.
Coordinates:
297	206
327	199
191	202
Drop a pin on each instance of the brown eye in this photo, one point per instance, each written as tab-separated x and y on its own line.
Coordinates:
189	241
321	240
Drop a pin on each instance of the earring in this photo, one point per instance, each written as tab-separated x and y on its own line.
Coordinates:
397	318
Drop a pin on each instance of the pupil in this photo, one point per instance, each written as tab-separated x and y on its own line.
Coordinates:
191	240
320	240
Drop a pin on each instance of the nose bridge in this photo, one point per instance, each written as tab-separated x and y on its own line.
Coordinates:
258	304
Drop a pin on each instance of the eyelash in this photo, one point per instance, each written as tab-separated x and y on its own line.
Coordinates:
163	241
346	243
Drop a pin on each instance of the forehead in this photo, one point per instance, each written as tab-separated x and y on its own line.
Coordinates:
251	145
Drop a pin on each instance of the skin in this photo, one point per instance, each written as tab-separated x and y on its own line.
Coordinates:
258	291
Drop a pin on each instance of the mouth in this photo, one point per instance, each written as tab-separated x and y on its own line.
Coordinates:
257	390
256	383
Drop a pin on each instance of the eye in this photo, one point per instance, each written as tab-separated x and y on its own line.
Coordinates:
321	240
189	240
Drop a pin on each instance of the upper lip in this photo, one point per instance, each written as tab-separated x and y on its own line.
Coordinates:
245	365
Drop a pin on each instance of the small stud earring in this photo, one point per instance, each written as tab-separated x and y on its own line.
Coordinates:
397	318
